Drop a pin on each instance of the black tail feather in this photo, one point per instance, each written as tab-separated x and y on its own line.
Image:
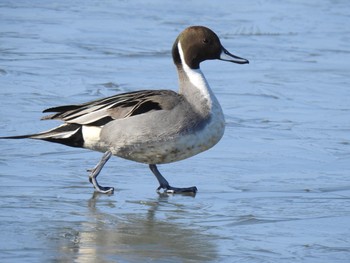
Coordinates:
18	136
67	134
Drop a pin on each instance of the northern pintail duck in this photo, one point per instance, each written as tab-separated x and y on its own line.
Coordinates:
150	126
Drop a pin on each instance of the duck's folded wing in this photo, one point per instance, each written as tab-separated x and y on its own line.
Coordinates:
102	111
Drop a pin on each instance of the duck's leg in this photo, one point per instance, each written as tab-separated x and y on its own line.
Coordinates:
163	183
96	170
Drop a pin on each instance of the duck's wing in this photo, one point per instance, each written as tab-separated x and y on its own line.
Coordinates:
99	112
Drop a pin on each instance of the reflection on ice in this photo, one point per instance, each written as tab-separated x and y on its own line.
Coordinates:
132	237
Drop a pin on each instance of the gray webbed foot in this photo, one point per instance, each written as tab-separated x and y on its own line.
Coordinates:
163	184
177	190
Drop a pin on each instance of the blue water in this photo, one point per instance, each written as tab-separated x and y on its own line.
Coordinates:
275	189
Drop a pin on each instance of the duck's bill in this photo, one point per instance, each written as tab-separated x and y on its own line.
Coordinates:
227	56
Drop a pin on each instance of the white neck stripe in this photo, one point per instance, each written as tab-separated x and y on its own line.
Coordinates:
196	77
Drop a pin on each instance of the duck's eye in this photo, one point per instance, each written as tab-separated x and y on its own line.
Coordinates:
205	41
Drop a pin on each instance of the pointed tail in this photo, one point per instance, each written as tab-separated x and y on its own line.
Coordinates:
68	134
